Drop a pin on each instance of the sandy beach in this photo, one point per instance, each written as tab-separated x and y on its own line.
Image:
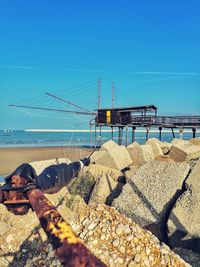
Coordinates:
10	158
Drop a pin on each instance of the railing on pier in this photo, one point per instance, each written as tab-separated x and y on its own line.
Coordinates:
166	121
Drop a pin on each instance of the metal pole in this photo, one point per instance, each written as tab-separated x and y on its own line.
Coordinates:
126	135
91	136
112	132
133	134
173	132
194	132
120	135
180	133
160	133
95	134
68	247
147	133
100	131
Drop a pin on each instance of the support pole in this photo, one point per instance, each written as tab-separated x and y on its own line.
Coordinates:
133	134
90	136
194	132
120	135
126	135
180	133
147	133
100	131
173	134
160	133
112	132
95	134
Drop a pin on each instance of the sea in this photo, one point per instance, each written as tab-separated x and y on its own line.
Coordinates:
24	138
37	138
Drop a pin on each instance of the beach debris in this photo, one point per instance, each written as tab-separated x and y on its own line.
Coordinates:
39	166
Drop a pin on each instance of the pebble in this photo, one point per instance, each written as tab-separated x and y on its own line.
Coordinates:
122	249
126	229
129	237
9	238
113	238
119	230
103	237
51	254
146	262
148	251
137	258
116	242
93	225
95	242
120	260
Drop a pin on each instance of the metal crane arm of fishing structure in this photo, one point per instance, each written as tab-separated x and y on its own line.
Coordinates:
52	109
70	103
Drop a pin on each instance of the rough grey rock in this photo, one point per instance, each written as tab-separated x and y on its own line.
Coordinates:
117	157
140	153
131	172
190	256
183	150
96	170
157	151
195	141
184	220
104	190
149	194
107	146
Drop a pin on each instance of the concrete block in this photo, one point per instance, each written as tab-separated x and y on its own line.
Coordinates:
183	150
157	151
103	188
107	146
117	158
195	141
149	194
96	170
140	153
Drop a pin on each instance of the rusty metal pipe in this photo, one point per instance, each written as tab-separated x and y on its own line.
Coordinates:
68	247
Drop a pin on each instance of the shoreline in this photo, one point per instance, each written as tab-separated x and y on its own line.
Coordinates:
11	158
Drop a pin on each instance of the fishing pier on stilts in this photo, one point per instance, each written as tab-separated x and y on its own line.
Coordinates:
142	117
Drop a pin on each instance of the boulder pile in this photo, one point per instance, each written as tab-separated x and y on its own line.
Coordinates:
134	206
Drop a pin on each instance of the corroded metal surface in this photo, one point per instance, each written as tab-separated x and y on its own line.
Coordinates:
68	247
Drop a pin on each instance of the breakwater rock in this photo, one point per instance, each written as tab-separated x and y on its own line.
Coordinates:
134	206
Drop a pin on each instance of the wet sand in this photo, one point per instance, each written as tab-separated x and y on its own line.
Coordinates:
11	158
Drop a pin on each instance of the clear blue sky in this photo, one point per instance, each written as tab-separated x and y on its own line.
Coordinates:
150	49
